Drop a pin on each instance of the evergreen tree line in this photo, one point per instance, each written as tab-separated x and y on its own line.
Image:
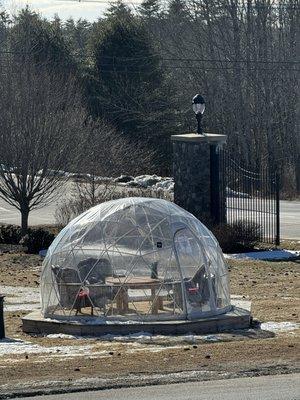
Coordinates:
138	69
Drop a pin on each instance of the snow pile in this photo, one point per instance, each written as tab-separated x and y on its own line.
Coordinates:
89	178
279	326
146	181
124	179
165	184
266	255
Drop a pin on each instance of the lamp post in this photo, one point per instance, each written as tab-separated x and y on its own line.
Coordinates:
199	107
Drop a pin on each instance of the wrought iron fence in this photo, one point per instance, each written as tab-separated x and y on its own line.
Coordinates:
251	197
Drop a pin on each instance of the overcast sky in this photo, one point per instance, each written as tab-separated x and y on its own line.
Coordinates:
64	8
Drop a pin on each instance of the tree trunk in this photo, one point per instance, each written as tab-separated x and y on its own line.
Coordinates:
24	220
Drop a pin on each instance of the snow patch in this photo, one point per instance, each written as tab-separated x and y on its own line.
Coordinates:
61	336
21	307
149	338
20	298
28	294
152	349
265	255
238	297
244	304
19	347
279	326
92	320
141	338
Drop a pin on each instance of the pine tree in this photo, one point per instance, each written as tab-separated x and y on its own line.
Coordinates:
149	9
118	10
77	35
178	10
130	78
35	39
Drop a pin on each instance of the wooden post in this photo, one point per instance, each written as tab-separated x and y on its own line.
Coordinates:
277	182
2	328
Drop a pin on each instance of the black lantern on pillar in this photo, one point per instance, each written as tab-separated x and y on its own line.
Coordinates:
199	107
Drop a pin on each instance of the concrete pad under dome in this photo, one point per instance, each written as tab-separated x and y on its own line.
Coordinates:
236	318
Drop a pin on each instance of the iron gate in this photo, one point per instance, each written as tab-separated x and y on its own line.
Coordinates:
251	197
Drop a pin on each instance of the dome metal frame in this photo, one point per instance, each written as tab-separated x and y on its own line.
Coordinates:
134	259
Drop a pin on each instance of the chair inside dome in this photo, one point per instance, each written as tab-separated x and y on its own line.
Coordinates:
135	259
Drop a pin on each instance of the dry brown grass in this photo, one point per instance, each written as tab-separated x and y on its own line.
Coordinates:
273	288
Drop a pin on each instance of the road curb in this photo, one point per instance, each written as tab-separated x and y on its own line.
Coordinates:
140	380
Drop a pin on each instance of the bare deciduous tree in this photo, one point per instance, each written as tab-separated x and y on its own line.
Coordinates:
109	153
41	129
242	56
106	154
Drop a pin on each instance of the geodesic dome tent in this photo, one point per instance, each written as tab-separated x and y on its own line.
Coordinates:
135	259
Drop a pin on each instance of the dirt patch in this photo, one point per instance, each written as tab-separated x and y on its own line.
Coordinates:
19	269
116	361
273	288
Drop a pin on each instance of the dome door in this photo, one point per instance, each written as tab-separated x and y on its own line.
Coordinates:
196	281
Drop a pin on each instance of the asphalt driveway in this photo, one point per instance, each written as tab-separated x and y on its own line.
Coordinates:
289	214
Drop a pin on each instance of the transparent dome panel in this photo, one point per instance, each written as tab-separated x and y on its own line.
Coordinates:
195	277
135	258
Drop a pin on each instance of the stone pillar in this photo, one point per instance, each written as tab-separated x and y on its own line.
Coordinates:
197	175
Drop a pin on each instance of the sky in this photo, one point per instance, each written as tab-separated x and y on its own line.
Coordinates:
63	8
